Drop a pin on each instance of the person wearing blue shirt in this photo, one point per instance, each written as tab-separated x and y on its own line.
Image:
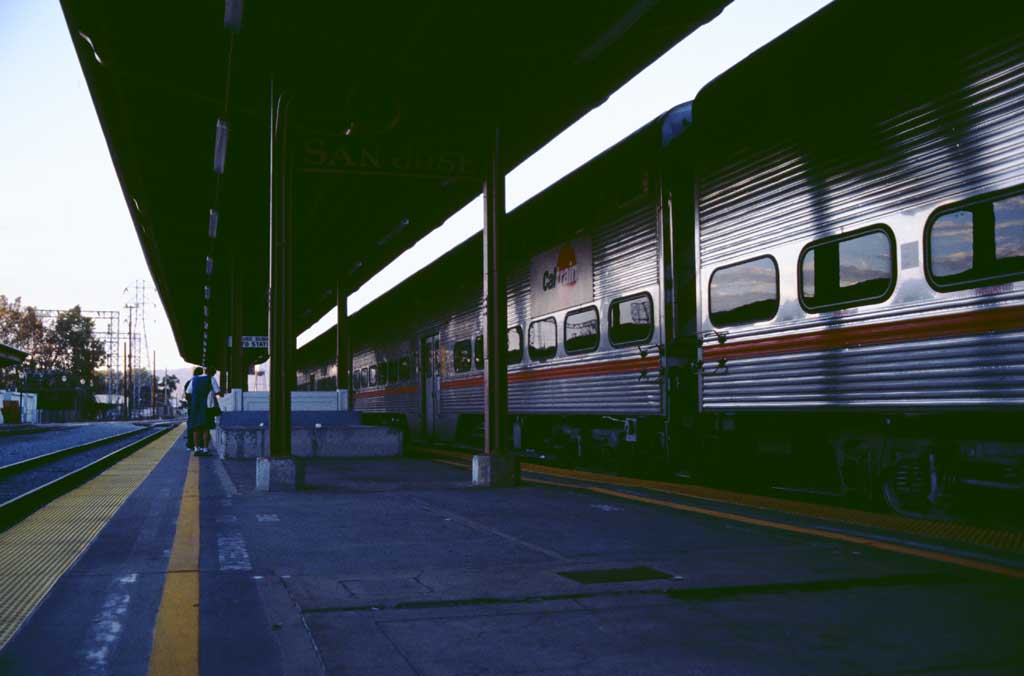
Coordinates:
202	390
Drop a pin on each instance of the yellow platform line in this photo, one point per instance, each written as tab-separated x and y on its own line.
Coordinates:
1000	540
918	552
36	552
176	635
803	530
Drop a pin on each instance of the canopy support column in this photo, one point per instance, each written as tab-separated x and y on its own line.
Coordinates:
237	376
498	466
343	345
279	471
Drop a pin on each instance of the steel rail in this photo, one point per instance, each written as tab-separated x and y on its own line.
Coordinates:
17	508
35	461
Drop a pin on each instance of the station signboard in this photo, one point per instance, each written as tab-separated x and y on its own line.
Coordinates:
256	342
340	154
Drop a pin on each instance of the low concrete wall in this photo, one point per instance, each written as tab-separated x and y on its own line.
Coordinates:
336	434
334	400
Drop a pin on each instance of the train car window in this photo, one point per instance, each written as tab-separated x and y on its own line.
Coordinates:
542	340
478	352
515	345
462	356
404	369
977	243
852	269
582	330
631	320
364	378
744	292
373	375
393	371
382	373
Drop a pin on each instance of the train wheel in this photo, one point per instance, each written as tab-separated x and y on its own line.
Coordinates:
910	487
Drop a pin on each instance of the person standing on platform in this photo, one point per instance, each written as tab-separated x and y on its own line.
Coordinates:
189	442
204	391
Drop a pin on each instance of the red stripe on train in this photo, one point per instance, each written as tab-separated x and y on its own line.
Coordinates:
960	324
557	373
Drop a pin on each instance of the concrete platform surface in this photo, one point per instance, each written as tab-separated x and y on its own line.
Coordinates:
400	566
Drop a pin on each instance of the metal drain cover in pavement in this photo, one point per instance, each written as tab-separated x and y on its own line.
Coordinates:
615	575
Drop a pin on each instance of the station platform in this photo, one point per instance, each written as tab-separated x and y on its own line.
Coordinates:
169	563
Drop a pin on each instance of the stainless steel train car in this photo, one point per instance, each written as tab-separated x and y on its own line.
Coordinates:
861	253
814	277
586	308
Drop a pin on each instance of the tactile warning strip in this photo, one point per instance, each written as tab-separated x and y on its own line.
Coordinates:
35	553
1004	541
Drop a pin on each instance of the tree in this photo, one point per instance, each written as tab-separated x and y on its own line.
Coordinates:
64	355
70	347
170	383
165	388
22	329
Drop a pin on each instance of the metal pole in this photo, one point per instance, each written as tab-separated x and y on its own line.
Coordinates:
237	376
282	340
343	341
497	467
124	380
131	364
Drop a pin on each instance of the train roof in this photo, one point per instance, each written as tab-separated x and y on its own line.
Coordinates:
853	62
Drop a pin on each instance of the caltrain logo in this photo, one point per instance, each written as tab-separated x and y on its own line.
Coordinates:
564	273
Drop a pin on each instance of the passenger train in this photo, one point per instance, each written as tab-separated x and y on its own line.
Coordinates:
813	276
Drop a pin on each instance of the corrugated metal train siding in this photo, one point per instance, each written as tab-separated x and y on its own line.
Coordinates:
407	403
626	255
969	371
781	195
964	143
625	258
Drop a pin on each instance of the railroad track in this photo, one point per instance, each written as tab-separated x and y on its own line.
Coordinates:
27	485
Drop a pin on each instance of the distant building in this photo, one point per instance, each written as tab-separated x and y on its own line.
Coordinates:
16	407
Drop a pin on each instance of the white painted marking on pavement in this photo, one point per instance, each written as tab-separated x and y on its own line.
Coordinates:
267	518
232	553
107	626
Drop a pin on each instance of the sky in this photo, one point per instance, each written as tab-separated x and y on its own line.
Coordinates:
66	236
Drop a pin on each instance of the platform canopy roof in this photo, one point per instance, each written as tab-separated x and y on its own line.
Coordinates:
428	78
11	356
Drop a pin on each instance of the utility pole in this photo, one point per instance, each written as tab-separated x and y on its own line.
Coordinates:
131	363
124	381
152	388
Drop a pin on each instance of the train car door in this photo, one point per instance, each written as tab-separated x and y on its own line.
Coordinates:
430	382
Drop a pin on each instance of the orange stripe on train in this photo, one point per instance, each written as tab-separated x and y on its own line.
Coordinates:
563	372
960	324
